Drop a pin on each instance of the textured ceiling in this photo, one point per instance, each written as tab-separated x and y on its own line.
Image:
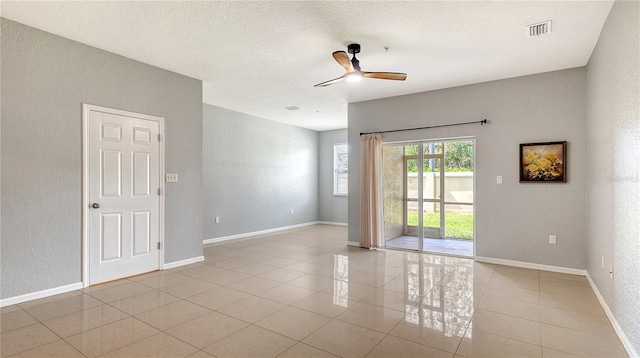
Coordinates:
260	57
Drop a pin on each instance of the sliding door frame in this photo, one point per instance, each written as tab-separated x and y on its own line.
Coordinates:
420	158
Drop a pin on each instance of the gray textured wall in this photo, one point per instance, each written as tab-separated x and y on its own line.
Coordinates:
45	80
255	171
332	208
613	167
513	220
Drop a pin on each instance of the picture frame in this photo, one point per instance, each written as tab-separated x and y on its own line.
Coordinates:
543	162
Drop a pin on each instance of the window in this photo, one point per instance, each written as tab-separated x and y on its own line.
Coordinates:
340	169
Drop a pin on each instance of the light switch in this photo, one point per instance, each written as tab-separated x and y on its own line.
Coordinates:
499	179
171	178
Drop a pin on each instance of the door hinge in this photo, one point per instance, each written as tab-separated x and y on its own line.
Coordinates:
158	245
159	137
159	192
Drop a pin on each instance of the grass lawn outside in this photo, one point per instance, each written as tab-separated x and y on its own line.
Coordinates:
457	225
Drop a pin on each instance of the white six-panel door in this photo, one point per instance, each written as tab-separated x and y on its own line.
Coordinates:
123	162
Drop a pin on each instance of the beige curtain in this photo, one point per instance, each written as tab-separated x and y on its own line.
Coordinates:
371	234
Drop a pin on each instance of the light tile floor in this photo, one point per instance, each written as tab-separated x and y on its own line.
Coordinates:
304	293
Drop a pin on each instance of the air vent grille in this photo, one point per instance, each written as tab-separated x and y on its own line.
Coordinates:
539	29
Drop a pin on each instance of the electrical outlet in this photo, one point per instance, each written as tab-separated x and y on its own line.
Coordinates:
291	211
552	239
602	261
217	220
499	179
171	178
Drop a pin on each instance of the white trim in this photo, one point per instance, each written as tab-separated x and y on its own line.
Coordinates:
261	232
161	181
175	264
332	223
530	265
86	108
614	322
85	195
351	243
40	294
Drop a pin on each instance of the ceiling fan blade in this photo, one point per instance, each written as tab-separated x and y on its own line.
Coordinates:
386	75
342	58
330	82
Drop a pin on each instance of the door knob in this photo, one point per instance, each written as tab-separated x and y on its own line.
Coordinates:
95	206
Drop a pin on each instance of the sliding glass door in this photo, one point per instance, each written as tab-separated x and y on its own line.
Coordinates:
428	196
432	196
423	192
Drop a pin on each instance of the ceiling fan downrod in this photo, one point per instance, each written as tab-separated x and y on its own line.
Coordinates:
354	49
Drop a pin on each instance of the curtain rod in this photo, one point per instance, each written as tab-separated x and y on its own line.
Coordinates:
482	122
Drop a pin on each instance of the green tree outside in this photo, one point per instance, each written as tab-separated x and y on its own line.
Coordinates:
458	156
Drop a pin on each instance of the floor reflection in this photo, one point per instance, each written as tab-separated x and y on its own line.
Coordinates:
438	290
341	280
447	305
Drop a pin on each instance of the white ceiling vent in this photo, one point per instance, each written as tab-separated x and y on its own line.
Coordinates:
539	29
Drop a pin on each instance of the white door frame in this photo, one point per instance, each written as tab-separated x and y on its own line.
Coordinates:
86	109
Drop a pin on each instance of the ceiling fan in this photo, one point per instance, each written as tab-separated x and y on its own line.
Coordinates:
354	73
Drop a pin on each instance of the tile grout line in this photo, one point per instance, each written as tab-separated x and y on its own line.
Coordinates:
38	321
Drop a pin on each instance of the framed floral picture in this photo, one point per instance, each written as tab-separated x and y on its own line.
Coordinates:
543	162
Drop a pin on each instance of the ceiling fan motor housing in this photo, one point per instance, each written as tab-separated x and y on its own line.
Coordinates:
353	49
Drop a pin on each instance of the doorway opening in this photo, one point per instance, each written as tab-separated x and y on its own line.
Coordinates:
429	196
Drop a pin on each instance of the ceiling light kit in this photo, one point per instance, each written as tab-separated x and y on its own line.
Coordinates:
354	73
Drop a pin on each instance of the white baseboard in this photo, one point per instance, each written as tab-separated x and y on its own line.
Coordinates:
614	322
530	265
261	232
40	294
175	264
351	243
332	223
77	286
